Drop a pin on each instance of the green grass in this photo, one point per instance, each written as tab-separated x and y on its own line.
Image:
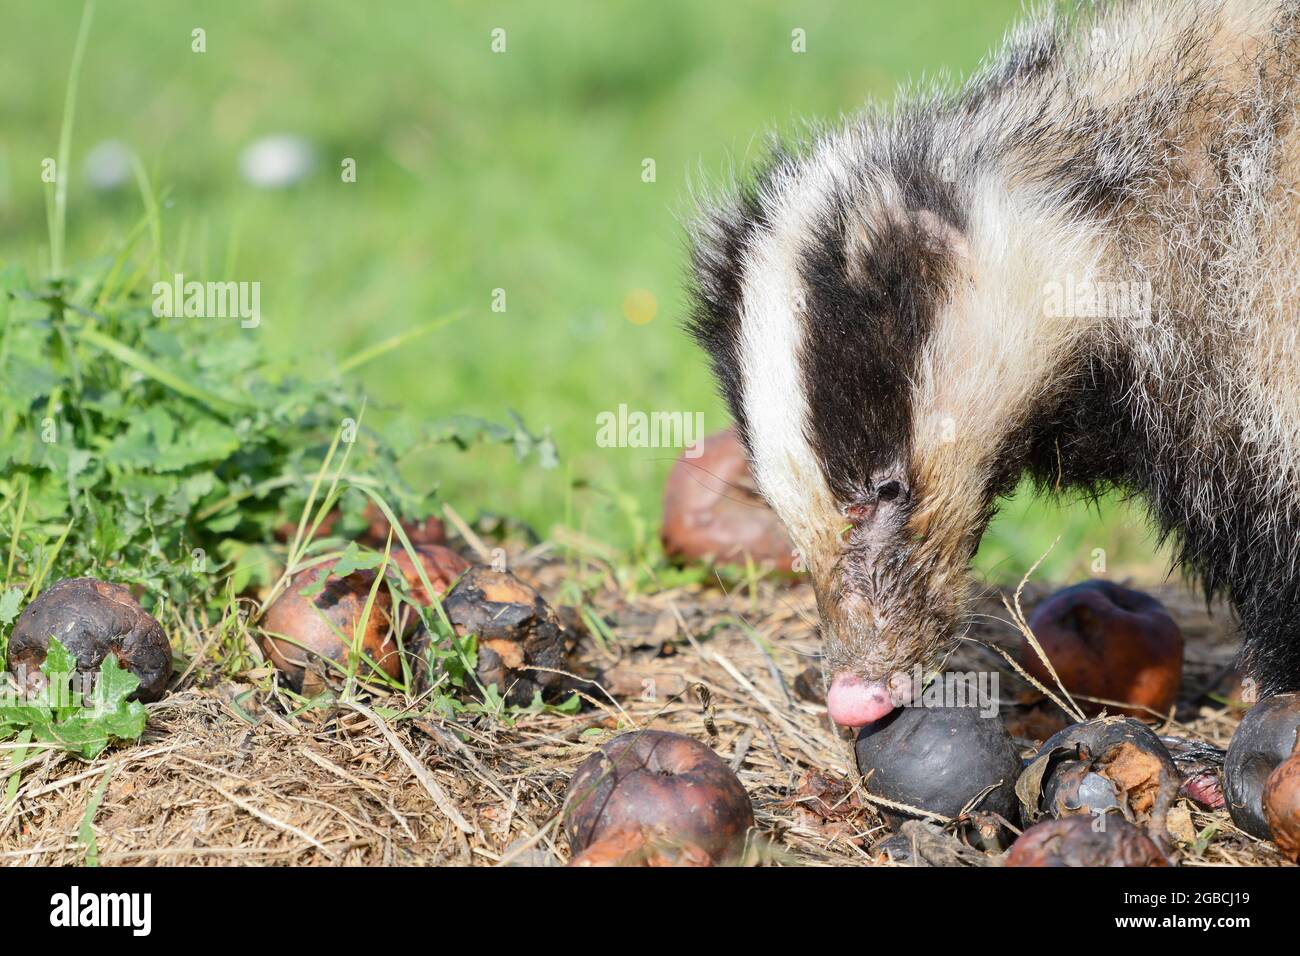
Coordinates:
476	171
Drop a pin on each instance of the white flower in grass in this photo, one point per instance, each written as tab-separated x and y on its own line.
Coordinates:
108	165
276	161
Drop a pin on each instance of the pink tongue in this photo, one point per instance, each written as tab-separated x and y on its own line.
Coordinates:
854	702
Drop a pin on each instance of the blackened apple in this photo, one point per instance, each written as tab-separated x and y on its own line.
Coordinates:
92	619
941	759
1264	738
522	646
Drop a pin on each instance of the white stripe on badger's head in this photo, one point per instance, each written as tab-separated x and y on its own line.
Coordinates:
990	359
773	308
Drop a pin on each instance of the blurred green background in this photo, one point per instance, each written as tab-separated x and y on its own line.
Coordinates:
476	171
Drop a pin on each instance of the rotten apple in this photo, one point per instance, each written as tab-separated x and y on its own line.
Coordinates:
1265	737
309	626
1085	841
941	759
92	619
441	565
713	512
1108	642
1282	804
1098	766
521	643
655	797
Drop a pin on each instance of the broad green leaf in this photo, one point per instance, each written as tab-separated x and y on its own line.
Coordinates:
10	601
84	725
354	559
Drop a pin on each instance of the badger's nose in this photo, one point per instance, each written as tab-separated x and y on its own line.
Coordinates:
854	702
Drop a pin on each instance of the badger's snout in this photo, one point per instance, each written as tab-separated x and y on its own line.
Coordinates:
877	648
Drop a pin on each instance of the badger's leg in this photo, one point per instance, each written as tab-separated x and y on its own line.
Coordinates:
1270	617
1248	551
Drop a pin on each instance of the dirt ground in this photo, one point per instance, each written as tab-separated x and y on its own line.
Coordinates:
227	774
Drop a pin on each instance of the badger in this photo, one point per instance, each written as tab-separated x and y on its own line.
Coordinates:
1081	265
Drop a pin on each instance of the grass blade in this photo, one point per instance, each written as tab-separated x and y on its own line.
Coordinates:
15	762
86	834
57	213
396	341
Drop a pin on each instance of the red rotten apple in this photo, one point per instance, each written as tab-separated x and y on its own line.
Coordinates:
303	631
1084	841
713	511
1108	642
655	798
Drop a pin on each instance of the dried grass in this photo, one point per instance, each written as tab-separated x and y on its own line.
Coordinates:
209	785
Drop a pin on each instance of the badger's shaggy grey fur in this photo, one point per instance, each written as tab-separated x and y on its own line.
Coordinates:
1084	265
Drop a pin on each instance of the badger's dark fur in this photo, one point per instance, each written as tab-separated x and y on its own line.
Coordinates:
898	316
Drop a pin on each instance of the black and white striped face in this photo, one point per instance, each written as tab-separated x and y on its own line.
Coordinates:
878	345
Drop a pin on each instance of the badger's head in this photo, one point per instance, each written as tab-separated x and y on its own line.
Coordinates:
877	330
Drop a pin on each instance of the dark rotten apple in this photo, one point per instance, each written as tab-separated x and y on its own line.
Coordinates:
93	619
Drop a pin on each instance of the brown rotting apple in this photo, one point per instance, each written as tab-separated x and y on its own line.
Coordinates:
1108	642
712	510
1085	841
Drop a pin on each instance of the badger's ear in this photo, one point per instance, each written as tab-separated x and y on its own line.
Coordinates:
940	237
916	242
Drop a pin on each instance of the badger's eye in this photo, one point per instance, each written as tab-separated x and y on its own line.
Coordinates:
890	491
859	512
